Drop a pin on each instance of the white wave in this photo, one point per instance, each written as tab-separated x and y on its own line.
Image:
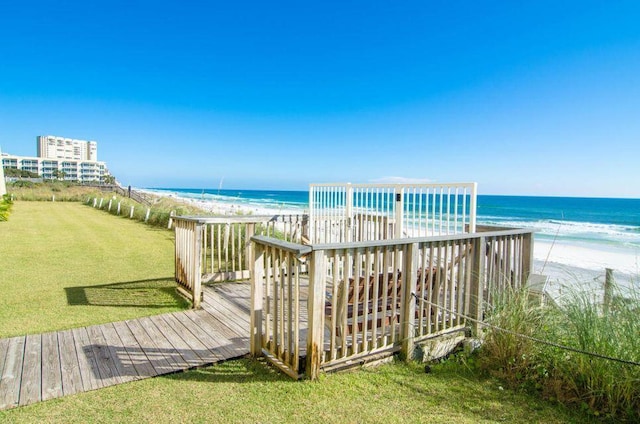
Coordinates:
614	233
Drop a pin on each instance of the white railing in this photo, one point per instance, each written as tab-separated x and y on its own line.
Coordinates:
344	212
346	303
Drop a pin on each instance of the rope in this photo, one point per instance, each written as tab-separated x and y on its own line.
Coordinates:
534	339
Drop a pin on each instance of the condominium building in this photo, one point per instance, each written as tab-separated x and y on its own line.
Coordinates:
51	169
61	158
54	147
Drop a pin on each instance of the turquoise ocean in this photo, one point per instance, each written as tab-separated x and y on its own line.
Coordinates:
605	222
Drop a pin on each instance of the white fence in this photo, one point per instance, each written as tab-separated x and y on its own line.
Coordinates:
344	212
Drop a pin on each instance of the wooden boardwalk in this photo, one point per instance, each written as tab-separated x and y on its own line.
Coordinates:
46	366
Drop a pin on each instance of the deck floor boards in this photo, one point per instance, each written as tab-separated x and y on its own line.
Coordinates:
12	373
69	366
30	390
51	365
52	373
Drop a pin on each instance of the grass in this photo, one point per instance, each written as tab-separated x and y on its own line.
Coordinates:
248	391
159	211
602	387
63	191
66	265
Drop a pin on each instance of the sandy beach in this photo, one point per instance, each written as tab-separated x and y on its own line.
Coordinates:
222	208
585	264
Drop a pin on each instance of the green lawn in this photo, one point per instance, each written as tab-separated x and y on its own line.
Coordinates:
65	265
247	391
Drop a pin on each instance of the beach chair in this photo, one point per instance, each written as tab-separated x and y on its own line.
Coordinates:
363	304
376	307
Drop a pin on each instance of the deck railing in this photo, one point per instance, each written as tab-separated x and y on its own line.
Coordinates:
218	248
340	304
344	212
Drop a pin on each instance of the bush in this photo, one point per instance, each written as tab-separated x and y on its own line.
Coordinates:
5	207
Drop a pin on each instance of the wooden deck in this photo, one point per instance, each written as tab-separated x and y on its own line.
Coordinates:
46	366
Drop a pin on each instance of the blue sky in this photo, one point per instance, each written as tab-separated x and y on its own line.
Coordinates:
531	98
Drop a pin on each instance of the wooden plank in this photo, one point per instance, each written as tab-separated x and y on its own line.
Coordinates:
164	346
12	373
239	323
237	294
178	343
4	345
136	354
316	325
108	372
229	341
257	313
69	366
31	383
150	349
208	335
51	370
192	323
236	319
215	299
86	360
208	357
121	360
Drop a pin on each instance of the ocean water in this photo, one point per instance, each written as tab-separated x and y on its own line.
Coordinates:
605	222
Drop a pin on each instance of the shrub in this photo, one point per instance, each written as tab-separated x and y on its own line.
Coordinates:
5	207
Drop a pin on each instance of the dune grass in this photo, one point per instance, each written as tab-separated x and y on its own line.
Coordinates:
65	265
62	191
248	391
600	386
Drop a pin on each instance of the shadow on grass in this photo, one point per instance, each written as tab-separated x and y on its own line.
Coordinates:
153	293
239	370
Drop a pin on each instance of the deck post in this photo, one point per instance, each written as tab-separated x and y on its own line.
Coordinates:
315	308
197	266
477	287
608	290
399	209
527	257
257	296
348	208
248	246
410	272
472	207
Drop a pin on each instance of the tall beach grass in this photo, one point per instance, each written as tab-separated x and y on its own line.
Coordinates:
157	214
598	372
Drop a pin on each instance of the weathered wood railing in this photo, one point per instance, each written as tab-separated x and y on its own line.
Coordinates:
277	300
340	304
218	248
